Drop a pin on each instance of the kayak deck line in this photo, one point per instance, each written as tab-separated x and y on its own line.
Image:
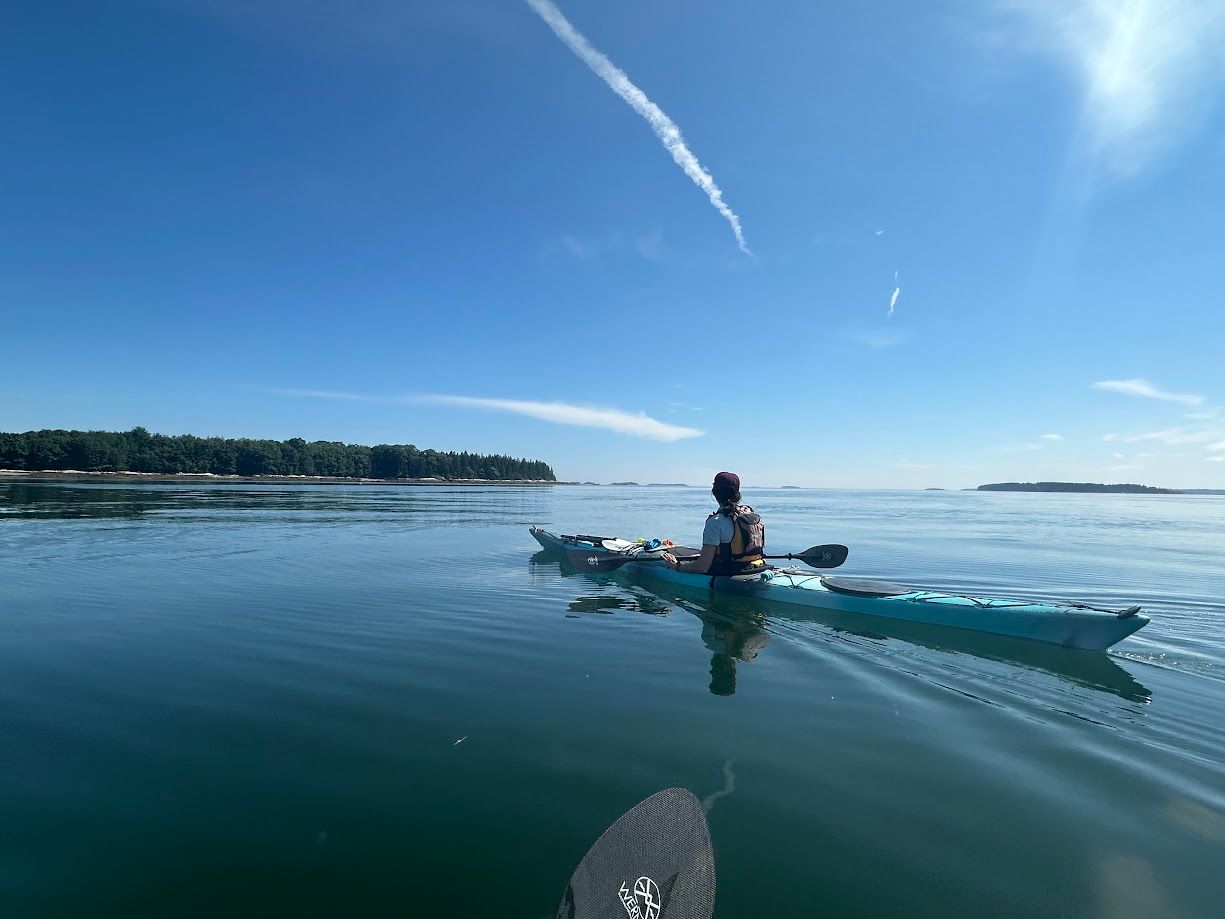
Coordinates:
1071	624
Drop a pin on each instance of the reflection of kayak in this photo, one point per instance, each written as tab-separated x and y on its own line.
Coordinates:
742	618
1084	668
1070	625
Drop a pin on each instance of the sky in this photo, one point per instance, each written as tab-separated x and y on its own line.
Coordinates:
878	245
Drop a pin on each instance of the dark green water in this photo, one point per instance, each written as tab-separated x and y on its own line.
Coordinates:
237	701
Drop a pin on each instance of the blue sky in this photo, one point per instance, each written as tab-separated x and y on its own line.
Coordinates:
467	225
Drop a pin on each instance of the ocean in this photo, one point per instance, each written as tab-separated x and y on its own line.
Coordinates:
238	700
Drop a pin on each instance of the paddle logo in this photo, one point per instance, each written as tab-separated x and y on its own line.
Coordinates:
643	902
592	560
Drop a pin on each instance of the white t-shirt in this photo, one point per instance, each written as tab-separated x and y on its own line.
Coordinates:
719	529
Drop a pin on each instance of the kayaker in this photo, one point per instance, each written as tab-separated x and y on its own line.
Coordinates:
734	538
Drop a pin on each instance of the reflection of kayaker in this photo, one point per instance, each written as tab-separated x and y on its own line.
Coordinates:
729	640
733	539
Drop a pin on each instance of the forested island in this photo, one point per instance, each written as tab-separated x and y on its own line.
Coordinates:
139	451
1090	487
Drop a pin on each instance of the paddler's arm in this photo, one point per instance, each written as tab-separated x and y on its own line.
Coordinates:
699	565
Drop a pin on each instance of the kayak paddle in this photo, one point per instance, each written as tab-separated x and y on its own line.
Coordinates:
830	556
655	862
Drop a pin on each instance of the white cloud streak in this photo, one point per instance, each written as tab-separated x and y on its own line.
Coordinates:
1175	436
897	292
663	126
633	424
1052	437
1148	67
1147	390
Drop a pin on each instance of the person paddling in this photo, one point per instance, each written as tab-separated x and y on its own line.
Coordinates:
734	538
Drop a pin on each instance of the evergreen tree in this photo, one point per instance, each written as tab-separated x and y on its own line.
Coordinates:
139	451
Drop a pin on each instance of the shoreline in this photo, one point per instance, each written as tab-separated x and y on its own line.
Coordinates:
69	475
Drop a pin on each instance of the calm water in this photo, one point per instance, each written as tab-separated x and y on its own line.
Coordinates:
240	701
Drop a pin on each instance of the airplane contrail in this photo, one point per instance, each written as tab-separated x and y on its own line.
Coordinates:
663	126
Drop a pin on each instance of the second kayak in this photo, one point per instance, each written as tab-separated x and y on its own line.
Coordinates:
1068	624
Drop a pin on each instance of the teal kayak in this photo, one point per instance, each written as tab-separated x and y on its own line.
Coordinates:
1072	625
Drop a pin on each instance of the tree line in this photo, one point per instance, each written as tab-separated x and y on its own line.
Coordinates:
1090	487
139	451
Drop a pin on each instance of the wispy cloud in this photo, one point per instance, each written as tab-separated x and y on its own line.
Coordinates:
1052	437
634	424
897	292
1214	459
663	126
1147	390
577	247
1216	447
651	246
1174	436
1148	68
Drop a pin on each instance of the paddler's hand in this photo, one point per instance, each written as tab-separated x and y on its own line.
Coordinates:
670	561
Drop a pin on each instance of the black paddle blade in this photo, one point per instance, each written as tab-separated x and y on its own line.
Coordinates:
830	556
655	862
591	560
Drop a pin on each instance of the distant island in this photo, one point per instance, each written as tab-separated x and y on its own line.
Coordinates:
939	489
626	484
666	485
1089	487
788	486
139	452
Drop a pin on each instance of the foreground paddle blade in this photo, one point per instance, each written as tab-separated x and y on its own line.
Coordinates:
655	862
591	560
